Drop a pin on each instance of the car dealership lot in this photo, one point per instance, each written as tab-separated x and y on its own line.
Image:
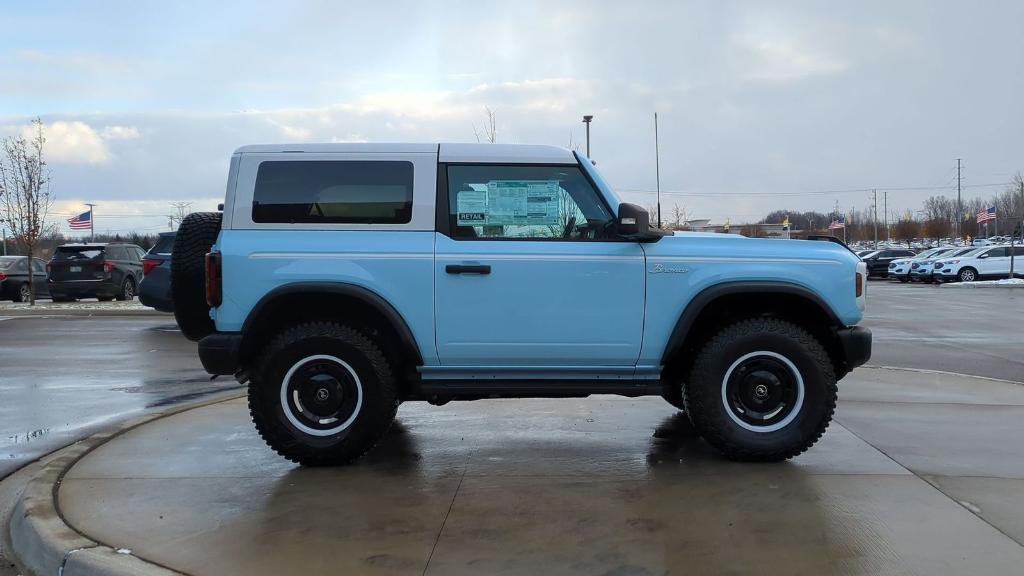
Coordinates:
919	471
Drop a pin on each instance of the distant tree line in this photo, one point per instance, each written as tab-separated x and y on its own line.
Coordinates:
45	246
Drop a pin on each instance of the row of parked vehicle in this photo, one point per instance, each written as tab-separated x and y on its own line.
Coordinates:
945	263
105	271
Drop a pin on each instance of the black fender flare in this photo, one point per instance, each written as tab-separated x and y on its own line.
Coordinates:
715	291
365	295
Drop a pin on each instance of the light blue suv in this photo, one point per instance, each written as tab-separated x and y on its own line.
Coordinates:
343	279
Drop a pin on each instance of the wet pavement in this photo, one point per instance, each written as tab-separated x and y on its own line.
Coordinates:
921	473
927	326
61	378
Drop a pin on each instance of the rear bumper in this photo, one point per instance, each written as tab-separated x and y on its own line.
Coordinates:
155	292
83	287
856	345
219	353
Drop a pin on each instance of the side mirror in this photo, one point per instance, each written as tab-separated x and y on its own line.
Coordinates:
634	222
983	255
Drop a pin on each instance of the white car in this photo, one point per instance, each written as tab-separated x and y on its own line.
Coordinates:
951	257
991	262
900	269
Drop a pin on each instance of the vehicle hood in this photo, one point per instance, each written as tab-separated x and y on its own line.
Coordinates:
732	246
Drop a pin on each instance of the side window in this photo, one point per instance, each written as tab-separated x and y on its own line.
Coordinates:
329	191
38	267
524	202
137	253
998	252
1018	251
20	267
115	253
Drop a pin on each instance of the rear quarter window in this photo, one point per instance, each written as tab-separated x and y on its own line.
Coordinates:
326	191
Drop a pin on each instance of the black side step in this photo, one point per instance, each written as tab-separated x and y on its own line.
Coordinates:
444	390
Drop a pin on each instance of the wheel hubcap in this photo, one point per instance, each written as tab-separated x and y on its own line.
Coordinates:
762	391
321	395
25	293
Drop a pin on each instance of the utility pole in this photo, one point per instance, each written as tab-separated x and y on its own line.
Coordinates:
92	223
4	230
586	120
657	167
885	212
959	204
874	219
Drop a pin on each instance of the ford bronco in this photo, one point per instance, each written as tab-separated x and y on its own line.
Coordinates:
340	280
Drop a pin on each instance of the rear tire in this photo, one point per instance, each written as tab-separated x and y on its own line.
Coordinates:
675	398
127	290
762	389
322	394
196	235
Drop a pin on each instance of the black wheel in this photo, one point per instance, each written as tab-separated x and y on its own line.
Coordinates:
24	293
127	290
322	394
968	275
761	390
196	235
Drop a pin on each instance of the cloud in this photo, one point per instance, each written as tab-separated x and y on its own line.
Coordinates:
119	133
775	60
73	142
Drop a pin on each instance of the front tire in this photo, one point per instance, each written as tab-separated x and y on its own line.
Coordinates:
762	389
322	394
24	293
968	275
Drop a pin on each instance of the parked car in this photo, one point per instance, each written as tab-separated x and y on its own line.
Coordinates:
155	287
901	267
343	279
103	271
954	256
992	262
879	260
14	281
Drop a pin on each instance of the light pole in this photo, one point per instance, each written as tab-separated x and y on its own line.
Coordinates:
586	120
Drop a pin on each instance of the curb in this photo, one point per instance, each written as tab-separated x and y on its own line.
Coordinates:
45	544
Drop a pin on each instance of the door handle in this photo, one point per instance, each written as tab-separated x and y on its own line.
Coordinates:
468	268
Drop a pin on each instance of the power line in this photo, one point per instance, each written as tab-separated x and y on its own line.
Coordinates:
810	192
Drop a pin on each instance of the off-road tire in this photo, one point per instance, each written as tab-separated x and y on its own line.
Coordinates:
127	291
703	393
971	274
196	235
375	376
675	397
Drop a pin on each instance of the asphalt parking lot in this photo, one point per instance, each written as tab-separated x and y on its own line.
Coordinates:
899	458
932	327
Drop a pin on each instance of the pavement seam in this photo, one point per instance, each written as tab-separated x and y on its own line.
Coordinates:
42	519
935	487
946	372
446	514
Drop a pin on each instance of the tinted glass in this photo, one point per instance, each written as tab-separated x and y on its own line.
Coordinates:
116	253
163	245
39	266
6	263
1018	250
998	252
486	201
343	192
136	253
20	267
71	253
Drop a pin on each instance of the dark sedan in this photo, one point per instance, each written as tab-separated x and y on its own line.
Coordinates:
878	261
155	288
14	283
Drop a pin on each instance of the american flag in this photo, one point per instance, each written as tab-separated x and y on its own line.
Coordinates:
838	223
81	222
986	215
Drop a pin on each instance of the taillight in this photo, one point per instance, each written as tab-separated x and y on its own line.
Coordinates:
108	266
3	276
213	279
148	264
860	285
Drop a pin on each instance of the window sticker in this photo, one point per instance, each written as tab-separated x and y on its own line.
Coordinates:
510	203
472	207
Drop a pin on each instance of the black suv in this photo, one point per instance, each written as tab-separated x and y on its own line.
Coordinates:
878	260
103	271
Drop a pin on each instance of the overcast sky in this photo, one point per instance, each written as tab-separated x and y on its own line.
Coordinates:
759	103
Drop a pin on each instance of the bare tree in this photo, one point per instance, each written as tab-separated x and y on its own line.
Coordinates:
680	217
489	131
25	195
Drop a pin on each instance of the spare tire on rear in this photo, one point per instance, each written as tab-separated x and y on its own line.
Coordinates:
196	235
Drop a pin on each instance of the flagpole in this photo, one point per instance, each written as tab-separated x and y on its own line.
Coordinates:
92	224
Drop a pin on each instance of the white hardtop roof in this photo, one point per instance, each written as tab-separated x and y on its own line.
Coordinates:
475	152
